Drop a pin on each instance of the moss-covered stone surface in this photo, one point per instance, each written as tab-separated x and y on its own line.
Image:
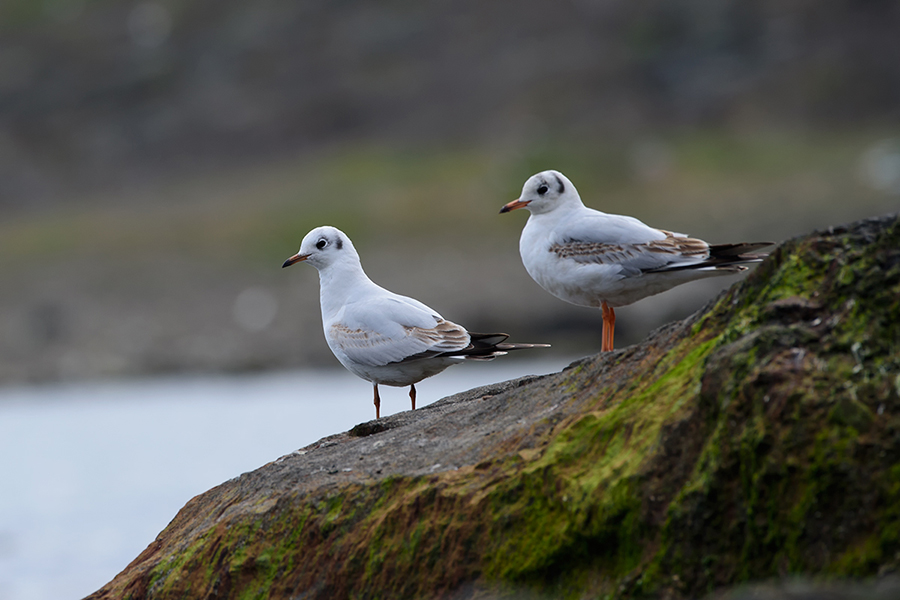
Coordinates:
758	439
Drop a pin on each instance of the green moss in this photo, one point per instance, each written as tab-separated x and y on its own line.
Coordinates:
861	558
579	508
763	444
851	413
783	500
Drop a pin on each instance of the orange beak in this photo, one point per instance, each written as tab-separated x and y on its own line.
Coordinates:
513	205
294	259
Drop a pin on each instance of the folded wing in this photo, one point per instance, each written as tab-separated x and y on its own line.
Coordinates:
671	252
390	330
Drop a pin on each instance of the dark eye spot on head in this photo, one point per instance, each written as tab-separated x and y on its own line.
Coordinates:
543	189
559	182
340	243
321	243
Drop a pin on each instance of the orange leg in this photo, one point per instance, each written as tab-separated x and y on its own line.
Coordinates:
377	403
603	336
612	327
609	327
412	395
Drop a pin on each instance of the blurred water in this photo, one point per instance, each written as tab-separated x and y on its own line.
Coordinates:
91	472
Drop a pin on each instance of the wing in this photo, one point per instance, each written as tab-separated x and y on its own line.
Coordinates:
593	237
628	244
393	329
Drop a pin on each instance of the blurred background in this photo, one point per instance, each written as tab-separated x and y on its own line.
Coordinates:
159	159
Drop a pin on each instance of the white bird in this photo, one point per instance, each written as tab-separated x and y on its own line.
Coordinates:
381	336
591	258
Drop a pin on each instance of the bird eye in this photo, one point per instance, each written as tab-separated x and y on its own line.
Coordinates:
542	190
321	243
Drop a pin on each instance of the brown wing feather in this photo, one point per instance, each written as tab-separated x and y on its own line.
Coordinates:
590	252
677	245
442	337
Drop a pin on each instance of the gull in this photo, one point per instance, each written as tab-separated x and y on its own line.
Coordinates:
380	336
590	258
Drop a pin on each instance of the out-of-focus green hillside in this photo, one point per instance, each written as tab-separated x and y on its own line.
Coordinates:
154	282
774	185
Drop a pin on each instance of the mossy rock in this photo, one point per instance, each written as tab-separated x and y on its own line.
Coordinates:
758	439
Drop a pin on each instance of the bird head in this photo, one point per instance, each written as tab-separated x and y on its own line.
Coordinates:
322	247
544	192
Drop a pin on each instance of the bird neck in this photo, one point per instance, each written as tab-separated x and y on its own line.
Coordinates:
559	214
340	284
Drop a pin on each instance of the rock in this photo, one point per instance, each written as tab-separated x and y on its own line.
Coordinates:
757	439
887	588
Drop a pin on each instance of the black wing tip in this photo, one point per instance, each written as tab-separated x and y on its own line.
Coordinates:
732	257
720	262
484	348
496	340
482	340
724	250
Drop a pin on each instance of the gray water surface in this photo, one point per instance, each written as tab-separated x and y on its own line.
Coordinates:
92	472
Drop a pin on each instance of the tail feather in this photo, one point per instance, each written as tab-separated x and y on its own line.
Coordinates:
487	346
723	257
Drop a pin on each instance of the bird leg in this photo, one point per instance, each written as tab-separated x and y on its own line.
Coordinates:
609	327
412	395
377	403
612	328
603	335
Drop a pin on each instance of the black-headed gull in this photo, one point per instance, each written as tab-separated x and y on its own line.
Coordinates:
381	336
591	258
